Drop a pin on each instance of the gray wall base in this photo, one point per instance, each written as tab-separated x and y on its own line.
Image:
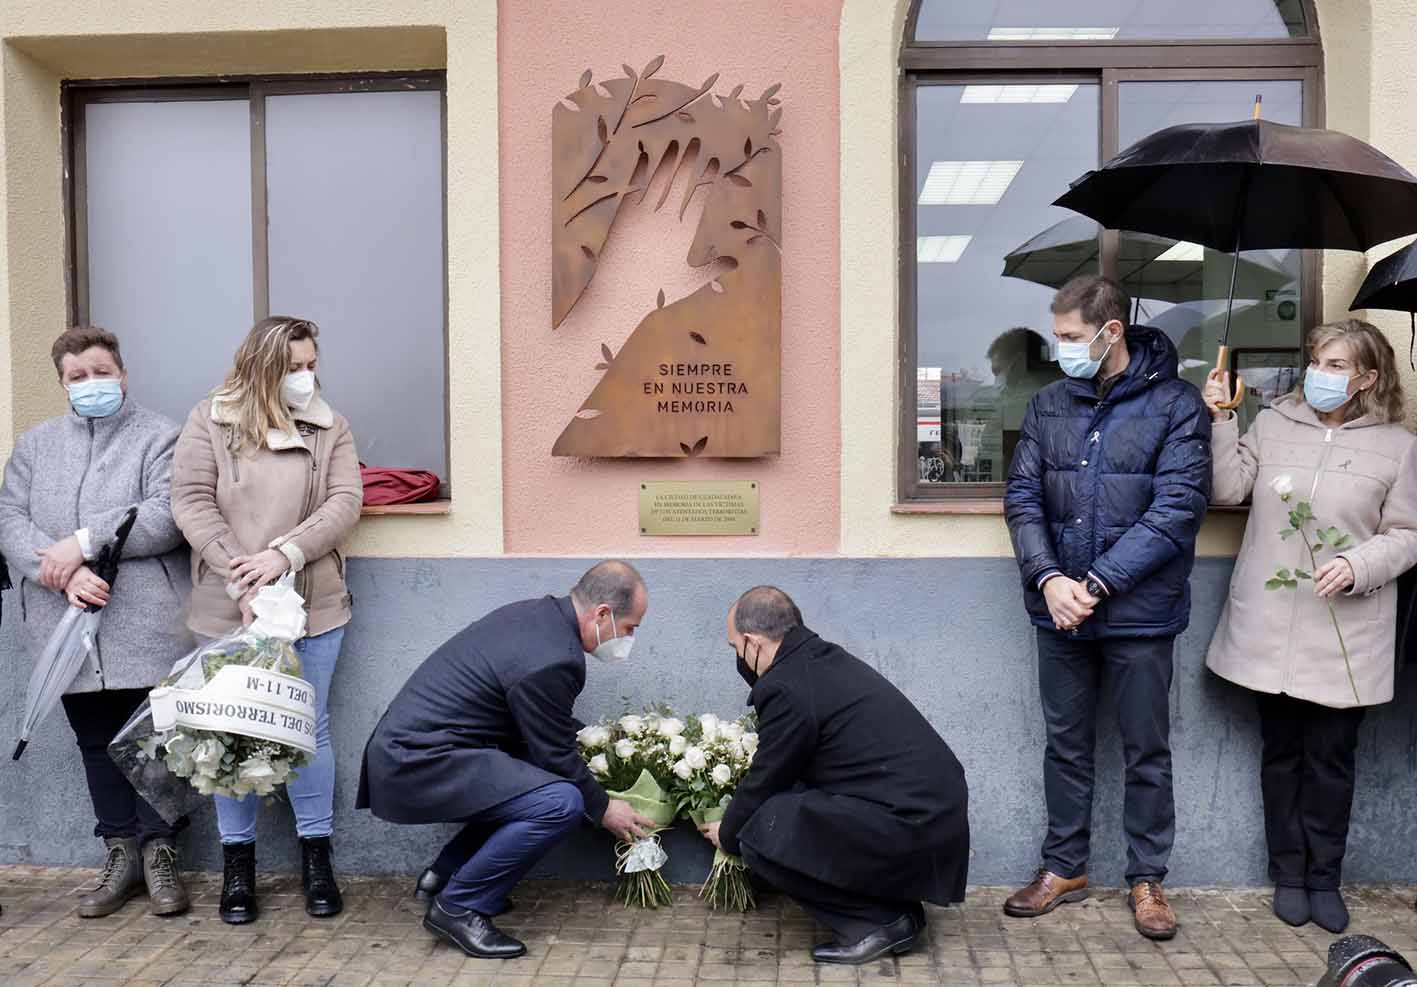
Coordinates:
950	632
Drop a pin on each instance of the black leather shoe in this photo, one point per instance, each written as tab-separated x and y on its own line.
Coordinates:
238	884
473	933
901	936
317	877
430	884
1328	910
1291	905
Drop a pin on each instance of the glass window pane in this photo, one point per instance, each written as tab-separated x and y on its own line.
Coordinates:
1265	331
1106	20
990	160
169	231
355	186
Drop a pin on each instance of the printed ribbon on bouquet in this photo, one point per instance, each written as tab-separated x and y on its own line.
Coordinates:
249	702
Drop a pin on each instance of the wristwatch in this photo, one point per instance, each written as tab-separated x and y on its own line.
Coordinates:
1096	589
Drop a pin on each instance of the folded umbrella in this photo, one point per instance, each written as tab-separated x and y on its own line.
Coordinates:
1392	285
1250	185
72	643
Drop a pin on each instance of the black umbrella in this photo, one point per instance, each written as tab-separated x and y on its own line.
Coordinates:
1147	266
1392	285
1250	185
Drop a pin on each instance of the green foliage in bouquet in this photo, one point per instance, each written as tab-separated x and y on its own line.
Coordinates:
639	863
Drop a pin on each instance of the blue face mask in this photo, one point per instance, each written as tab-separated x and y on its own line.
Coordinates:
97	397
1076	360
1325	391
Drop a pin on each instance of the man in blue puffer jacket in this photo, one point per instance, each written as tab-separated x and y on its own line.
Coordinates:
1107	489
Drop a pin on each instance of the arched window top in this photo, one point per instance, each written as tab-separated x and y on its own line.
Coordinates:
1083	21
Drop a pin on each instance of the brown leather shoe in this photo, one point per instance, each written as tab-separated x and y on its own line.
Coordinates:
1154	917
1046	893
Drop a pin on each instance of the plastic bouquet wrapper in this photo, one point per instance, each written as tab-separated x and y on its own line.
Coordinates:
716	757
631	757
233	718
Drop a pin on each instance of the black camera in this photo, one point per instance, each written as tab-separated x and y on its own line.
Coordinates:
1362	961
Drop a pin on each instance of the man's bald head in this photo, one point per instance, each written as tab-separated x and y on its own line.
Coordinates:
613	583
767	612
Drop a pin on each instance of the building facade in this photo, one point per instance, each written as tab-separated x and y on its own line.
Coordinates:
173	170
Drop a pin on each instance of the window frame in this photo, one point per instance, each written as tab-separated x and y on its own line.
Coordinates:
77	95
1106	64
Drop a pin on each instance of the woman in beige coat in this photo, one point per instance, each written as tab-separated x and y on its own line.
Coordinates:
1340	447
266	480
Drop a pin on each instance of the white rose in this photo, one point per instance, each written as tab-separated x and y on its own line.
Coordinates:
207	757
593	736
1282	485
722	774
731	732
633	725
678	745
749	742
599	765
710	725
256	769
682	769
625	749
696	758
671	727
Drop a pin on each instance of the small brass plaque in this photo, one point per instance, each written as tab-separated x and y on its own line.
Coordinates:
671	507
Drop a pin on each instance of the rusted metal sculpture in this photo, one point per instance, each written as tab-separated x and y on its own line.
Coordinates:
699	375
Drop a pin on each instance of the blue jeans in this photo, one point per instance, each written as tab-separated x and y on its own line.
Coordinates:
518	833
312	789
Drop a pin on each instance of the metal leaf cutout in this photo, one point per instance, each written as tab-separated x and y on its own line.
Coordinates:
736	91
629	72
739	180
588	252
661	298
771	91
585	78
699	446
588	413
686	449
762	220
605	352
652	67
698	338
717	288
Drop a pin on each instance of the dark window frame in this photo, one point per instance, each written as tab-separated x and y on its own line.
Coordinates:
77	95
1106	64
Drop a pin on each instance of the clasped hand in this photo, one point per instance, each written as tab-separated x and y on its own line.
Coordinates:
1069	602
59	562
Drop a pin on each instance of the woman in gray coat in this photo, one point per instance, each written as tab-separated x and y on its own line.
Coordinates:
67	485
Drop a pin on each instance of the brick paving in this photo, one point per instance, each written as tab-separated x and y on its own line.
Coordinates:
576	935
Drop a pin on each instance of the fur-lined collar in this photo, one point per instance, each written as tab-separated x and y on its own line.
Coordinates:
319	414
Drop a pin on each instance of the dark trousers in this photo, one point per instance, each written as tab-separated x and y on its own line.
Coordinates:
96	718
497	847
1307	773
850	915
1069	681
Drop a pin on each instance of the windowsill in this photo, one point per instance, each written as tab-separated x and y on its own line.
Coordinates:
964	506
425	508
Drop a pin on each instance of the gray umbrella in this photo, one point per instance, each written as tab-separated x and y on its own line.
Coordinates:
71	644
1071	247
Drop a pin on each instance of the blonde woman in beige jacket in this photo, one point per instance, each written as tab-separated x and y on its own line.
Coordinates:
266	480
1340	446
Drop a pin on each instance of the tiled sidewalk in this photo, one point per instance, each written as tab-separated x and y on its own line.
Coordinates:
576	935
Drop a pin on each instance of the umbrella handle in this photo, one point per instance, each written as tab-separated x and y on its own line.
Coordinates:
1222	361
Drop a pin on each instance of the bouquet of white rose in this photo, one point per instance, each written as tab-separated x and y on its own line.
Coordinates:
631	757
234	717
715	758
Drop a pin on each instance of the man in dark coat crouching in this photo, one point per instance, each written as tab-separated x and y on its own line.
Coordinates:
853	805
482	734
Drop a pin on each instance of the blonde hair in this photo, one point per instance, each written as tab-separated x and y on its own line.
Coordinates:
253	386
1370	350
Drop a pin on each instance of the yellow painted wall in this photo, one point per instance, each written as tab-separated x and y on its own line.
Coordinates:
1370	46
42	42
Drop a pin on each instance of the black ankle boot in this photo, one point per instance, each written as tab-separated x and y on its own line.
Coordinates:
238	884
317	876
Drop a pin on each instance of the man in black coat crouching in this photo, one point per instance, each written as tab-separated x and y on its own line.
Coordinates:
482	734
853	805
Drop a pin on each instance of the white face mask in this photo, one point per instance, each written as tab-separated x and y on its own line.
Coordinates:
298	389
615	650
